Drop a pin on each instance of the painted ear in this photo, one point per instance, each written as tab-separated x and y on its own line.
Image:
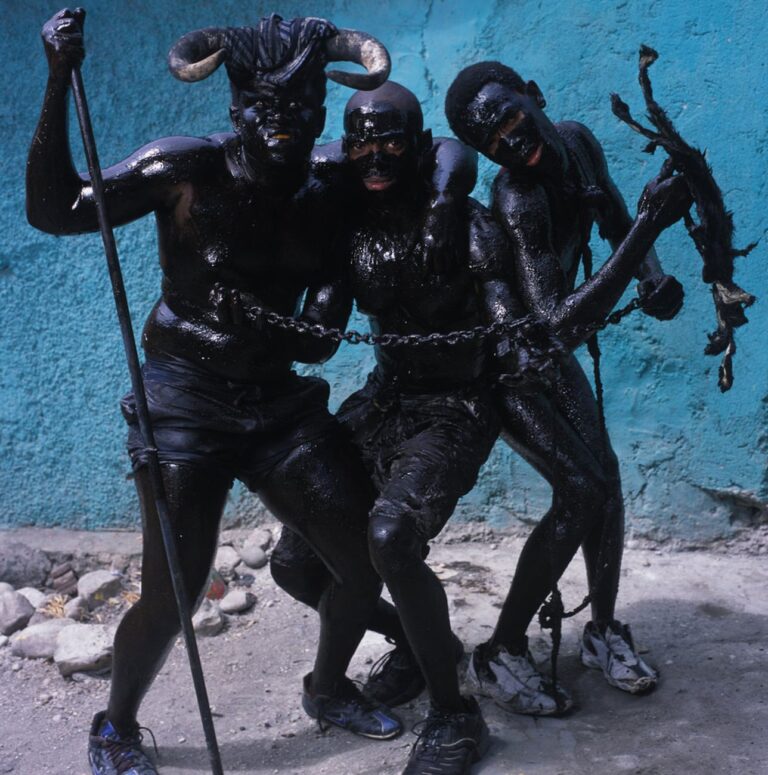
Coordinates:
234	115
532	90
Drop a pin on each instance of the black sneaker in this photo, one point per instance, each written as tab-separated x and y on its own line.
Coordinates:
449	743
396	678
350	709
110	753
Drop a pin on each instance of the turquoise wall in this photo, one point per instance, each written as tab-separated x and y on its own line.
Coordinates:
693	460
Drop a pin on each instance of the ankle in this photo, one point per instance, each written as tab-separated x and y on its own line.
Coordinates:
517	647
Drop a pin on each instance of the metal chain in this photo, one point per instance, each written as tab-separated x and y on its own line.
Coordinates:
259	314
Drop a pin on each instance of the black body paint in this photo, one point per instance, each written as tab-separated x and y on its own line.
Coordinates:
553	186
232	210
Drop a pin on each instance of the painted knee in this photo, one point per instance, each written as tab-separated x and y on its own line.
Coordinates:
394	544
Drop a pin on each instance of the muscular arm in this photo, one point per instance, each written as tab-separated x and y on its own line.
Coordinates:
60	201
454	169
490	264
328	303
613	218
524	212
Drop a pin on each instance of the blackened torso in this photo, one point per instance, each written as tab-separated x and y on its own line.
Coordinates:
398	297
564	203
226	229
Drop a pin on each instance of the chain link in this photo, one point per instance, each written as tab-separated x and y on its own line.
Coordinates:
259	314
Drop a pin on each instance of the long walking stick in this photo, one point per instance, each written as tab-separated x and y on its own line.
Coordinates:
145	426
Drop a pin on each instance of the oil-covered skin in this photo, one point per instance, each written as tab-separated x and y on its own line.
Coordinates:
552	187
424	421
232	210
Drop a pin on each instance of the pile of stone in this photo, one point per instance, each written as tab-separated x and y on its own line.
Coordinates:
232	574
47	612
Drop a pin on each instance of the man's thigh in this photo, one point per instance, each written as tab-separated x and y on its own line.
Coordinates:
436	465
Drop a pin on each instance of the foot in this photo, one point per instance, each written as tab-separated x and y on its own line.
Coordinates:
113	754
515	683
611	649
396	677
350	709
449	743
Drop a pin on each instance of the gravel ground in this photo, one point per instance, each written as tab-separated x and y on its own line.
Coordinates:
701	617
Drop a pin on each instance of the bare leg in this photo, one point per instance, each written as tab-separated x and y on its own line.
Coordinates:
196	500
299	571
561	438
322	492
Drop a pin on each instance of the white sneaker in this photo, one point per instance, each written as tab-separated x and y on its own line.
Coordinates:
515	684
613	652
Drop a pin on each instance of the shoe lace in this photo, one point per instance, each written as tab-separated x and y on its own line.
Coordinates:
427	733
124	751
393	658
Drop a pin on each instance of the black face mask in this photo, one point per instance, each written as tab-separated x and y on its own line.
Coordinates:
514	149
386	166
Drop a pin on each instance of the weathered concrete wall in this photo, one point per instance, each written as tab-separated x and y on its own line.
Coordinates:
683	446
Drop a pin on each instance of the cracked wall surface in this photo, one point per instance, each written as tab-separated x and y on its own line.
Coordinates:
692	460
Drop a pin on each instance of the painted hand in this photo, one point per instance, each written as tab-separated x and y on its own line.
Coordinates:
661	296
665	199
63	41
532	361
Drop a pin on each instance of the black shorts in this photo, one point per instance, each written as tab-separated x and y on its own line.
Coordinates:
423	450
241	429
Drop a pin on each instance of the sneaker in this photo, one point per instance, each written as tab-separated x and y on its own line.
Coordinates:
350	709
448	743
110	753
396	677
515	683
612	650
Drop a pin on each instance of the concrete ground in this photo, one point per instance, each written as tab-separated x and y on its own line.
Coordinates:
701	617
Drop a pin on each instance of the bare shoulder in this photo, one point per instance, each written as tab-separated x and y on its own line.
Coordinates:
177	157
515	200
488	243
579	138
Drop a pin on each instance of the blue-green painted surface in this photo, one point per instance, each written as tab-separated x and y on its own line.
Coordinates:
679	440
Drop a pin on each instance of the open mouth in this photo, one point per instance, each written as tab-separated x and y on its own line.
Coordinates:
535	157
377	184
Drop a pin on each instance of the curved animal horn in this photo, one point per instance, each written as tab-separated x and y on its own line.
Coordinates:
197	54
365	50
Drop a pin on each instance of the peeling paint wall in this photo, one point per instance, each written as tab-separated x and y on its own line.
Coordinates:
693	461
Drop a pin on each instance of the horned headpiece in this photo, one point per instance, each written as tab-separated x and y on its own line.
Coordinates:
277	51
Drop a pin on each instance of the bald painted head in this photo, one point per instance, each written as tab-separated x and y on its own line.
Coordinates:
384	137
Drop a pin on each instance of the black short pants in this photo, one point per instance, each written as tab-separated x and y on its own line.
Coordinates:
423	450
241	429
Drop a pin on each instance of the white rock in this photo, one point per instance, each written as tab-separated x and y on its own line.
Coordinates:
253	556
98	586
84	647
3	640
5	587
15	612
260	537
208	620
35	596
226	560
39	640
76	608
237	601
